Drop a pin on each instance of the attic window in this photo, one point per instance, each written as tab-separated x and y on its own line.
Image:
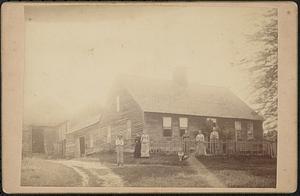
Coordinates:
118	103
238	129
108	135
167	126
250	130
128	132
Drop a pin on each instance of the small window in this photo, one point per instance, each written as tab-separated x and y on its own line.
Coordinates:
212	121
183	122
108	135
250	130
91	141
167	122
167	126
128	132
118	103
238	129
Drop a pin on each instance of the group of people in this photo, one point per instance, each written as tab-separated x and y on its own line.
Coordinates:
141	148
201	143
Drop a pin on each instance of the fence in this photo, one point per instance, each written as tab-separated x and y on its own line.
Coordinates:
263	148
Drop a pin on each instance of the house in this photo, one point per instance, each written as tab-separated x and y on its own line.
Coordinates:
44	140
85	137
165	109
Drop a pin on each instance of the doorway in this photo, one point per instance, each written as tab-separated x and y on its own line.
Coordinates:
38	141
82	146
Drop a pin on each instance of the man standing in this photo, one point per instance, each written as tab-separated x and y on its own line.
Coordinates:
120	149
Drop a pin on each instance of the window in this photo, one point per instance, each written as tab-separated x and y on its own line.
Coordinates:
183	124
118	103
108	135
91	141
211	122
128	132
238	129
167	126
250	130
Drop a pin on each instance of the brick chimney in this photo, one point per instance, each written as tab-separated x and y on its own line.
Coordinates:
180	76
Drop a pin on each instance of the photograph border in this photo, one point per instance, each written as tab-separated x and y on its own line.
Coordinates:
13	46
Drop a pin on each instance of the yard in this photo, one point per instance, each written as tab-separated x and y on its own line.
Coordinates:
38	172
159	170
242	171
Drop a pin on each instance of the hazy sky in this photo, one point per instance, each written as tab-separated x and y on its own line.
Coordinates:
73	53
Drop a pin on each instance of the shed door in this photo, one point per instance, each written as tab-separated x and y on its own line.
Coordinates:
38	141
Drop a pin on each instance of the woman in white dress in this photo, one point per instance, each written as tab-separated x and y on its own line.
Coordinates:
200	144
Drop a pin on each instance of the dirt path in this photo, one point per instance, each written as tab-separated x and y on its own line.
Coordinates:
93	173
202	171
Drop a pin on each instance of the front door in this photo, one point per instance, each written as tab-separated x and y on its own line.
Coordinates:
82	146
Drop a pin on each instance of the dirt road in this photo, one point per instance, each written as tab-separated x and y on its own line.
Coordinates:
93	173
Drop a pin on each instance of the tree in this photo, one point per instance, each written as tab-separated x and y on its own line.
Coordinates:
263	69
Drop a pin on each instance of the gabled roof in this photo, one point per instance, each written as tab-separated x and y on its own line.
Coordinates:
165	96
89	121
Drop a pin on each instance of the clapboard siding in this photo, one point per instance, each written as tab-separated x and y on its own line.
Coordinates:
91	135
117	120
154	127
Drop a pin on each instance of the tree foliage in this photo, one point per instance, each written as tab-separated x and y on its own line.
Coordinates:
263	69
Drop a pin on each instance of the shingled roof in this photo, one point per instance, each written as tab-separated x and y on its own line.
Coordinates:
165	96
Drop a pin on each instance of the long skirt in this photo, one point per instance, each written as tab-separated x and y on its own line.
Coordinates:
186	147
214	146
137	150
120	156
201	148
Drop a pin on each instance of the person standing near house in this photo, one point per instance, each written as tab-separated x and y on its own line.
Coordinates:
185	143
200	144
137	147
120	149
145	146
214	141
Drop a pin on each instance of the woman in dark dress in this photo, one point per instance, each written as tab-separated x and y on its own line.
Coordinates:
137	147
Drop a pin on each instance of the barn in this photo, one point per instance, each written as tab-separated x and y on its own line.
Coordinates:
44	140
164	109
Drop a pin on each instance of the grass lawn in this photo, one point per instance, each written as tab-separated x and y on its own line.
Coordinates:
39	172
243	171
160	176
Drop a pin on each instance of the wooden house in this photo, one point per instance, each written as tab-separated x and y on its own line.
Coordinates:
85	137
165	109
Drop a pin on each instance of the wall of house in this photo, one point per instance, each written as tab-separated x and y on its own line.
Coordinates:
154	127
117	120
